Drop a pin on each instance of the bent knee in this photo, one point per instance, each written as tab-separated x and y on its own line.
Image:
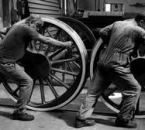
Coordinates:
138	89
30	81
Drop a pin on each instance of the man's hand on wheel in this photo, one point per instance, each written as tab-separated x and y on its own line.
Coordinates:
68	44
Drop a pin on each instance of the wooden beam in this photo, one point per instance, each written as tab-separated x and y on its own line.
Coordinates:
6	13
1	15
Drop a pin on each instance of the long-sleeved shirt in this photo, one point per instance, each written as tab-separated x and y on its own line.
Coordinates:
122	37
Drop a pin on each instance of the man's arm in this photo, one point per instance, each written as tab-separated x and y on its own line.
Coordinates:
105	33
4	31
49	40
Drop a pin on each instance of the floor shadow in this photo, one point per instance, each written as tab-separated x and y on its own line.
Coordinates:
67	116
7	102
107	122
6	114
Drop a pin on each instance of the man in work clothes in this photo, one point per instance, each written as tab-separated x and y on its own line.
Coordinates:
114	67
13	48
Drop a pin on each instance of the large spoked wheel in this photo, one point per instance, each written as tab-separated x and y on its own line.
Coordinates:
112	97
83	31
67	68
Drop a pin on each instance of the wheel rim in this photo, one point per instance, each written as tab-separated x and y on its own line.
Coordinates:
112	97
61	92
83	31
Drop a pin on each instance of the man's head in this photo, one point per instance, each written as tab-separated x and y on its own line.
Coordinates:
140	19
34	21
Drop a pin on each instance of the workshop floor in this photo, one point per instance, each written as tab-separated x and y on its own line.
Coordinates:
62	119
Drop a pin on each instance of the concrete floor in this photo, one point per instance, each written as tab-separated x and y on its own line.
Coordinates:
62	119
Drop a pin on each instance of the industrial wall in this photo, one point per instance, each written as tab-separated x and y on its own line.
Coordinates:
45	7
128	7
12	11
131	7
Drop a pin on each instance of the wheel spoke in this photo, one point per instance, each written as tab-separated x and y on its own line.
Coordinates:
57	52
77	65
15	91
64	60
71	69
47	30
64	72
52	88
42	91
84	40
59	81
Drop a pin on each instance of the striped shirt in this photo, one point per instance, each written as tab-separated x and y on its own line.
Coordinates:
123	37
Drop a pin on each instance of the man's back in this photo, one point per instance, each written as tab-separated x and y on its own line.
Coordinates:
122	41
14	44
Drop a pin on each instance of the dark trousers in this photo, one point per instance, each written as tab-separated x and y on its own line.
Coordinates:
123	79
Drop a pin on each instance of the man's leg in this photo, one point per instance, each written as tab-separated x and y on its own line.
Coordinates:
25	83
130	90
98	84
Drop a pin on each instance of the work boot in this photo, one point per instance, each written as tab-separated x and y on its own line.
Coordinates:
125	123
83	123
19	115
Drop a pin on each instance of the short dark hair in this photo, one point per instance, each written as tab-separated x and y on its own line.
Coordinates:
140	16
34	18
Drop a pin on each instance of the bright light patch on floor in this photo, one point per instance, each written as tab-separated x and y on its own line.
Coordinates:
116	95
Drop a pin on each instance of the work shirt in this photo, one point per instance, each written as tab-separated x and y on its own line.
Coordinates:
14	45
123	37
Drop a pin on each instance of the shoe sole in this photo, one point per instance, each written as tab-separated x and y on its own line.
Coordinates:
125	126
15	118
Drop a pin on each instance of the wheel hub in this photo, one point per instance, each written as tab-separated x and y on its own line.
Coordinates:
36	65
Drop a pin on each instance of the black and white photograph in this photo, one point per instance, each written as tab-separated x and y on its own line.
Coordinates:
72	64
